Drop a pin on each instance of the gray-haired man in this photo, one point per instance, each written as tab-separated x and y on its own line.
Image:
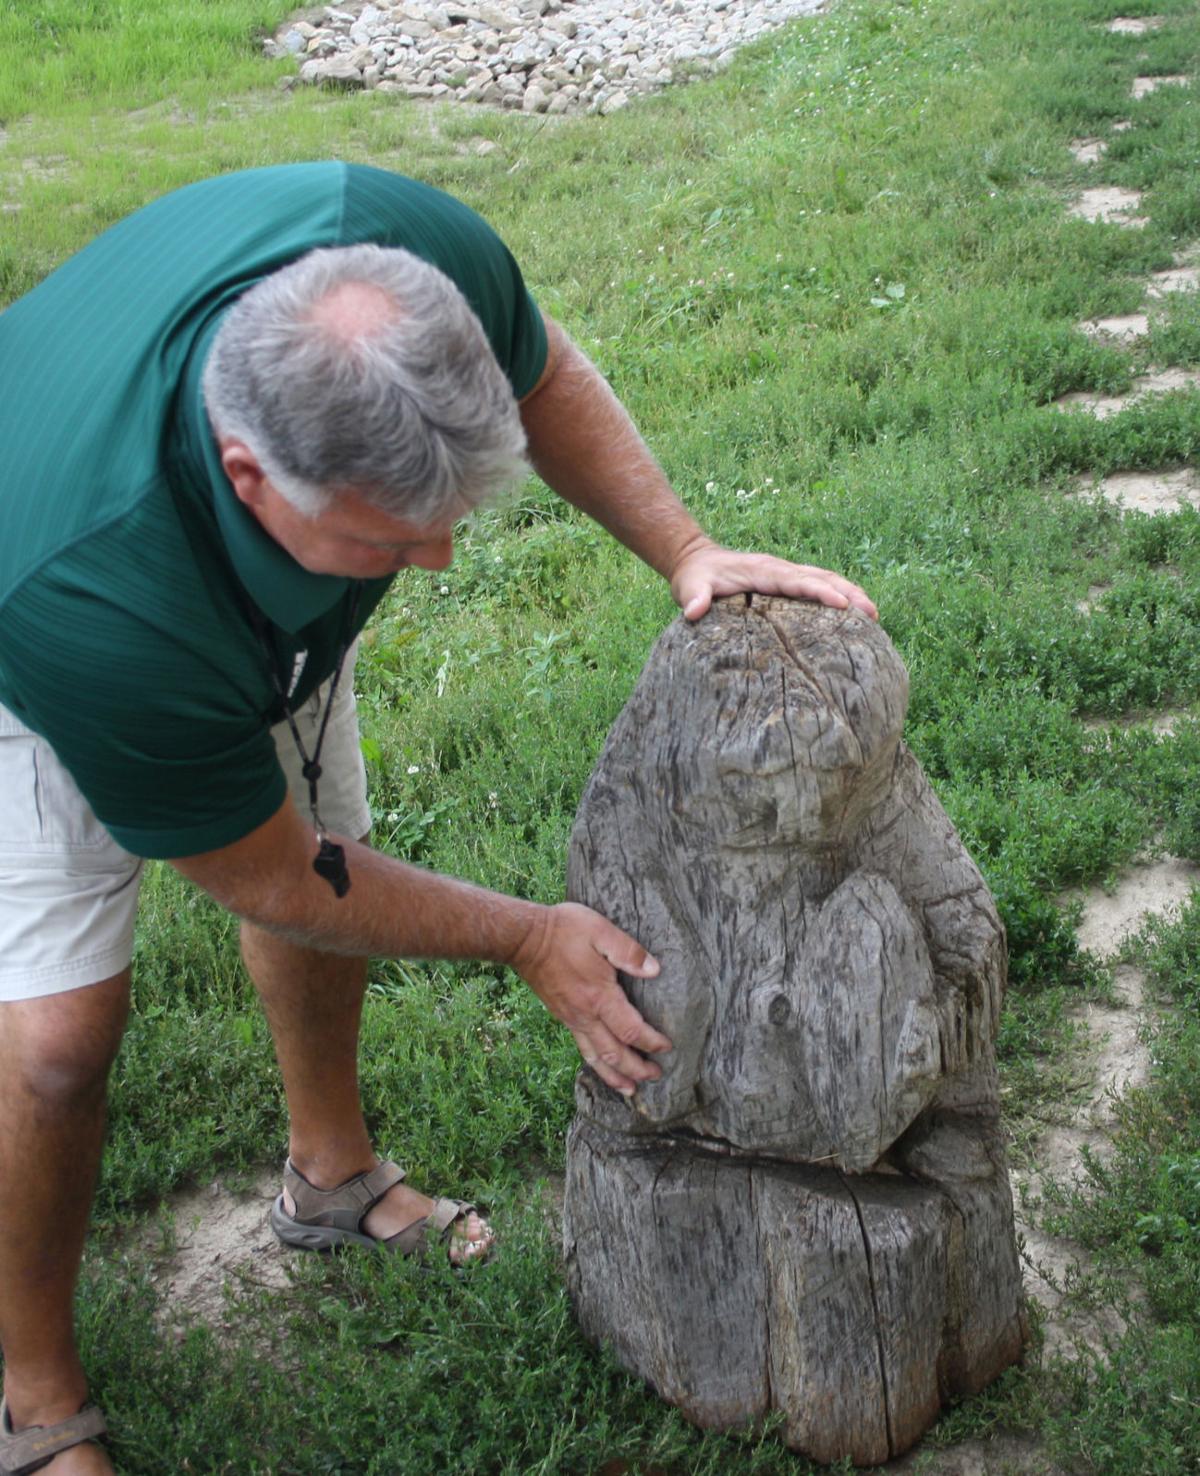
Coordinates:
227	424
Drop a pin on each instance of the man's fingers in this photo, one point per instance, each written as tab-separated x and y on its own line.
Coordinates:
616	1065
627	954
716	571
629	1027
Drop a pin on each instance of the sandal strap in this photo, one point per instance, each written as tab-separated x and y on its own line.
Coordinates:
415	1239
346	1206
445	1212
24	1451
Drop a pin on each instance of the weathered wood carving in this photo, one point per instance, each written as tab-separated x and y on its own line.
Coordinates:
810	1211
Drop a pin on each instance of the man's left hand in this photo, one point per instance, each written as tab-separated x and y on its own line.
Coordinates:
710	570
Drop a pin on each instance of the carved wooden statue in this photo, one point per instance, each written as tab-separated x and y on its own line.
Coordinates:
810	1211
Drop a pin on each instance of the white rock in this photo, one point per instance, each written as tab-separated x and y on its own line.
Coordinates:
495	50
338	71
501	20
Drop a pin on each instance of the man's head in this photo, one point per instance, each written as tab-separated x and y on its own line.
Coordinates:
359	377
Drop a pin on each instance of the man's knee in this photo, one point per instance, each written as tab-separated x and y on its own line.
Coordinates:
58	1048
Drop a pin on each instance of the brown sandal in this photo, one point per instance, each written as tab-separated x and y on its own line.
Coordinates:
28	1450
327	1218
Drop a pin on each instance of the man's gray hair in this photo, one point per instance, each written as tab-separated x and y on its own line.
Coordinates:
413	412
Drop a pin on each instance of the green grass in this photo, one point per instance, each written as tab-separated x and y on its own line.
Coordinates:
837	288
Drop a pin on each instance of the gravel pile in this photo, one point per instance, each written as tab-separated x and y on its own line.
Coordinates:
539	56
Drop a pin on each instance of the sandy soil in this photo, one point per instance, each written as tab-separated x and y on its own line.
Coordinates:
1088	150
1119	1061
1126	329
1109	204
1143	86
1129	26
1155	382
1148	492
219	1239
1174	279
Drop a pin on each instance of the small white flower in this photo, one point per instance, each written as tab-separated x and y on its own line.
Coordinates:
414	768
710	486
445	589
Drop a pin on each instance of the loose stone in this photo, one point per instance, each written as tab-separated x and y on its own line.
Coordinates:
552	56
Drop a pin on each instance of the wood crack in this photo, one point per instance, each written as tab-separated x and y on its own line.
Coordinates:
878	1319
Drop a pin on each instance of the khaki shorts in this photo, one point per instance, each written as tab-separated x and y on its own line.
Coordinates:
68	891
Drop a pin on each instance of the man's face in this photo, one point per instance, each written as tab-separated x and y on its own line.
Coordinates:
350	538
354	539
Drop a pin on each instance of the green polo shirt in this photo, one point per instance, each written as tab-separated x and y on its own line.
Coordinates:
126	561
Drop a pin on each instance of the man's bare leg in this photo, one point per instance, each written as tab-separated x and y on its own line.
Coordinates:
313	1004
55	1053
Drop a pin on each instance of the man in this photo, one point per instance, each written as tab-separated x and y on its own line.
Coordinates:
227	424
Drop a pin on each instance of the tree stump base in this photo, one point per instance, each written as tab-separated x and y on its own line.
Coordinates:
855	1305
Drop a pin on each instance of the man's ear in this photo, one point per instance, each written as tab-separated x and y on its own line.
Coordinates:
246	476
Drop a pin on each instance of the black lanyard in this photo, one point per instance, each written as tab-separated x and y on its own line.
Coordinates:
330	860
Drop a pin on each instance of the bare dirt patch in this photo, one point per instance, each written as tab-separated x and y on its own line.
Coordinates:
1155	382
215	1238
1162	724
1144	86
1126	25
1125	329
1004	1455
1109	206
1174	279
1088	150
1148	492
1094	596
1110	918
1119	1062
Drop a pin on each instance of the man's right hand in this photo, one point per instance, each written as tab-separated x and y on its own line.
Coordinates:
568	954
570	958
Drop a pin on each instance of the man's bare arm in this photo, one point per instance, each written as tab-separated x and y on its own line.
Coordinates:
568	954
584	445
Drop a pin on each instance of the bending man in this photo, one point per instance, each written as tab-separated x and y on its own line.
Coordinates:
227	424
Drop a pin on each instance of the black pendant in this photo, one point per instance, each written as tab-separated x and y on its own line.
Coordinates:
330	863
